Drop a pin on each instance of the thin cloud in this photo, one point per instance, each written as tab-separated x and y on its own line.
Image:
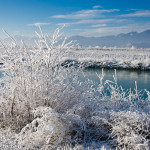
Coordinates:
99	25
77	29
85	14
97	6
39	24
133	9
141	13
93	21
115	30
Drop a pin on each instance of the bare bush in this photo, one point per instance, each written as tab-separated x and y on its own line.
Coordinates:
34	77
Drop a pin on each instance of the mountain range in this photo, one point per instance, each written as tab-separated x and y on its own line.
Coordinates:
138	40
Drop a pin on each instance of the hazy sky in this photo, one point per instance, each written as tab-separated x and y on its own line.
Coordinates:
82	17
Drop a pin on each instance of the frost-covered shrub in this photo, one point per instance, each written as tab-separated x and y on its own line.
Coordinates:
122	119
34	77
52	109
131	129
50	129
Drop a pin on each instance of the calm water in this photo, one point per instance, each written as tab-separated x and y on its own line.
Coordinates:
125	78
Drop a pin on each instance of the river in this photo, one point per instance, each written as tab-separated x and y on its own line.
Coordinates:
125	78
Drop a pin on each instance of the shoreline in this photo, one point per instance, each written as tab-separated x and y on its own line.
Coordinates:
106	65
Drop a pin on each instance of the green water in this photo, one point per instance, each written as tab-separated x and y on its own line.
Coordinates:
125	78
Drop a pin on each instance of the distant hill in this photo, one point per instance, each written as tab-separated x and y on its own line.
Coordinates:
138	40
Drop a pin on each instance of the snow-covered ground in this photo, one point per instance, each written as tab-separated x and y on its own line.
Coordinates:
43	105
112	58
80	117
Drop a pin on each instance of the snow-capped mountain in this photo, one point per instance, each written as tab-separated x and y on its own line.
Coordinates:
138	40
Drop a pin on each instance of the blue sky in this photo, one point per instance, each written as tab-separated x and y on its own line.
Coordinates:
82	17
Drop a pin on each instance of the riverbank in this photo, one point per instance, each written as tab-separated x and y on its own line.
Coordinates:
127	59
107	65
